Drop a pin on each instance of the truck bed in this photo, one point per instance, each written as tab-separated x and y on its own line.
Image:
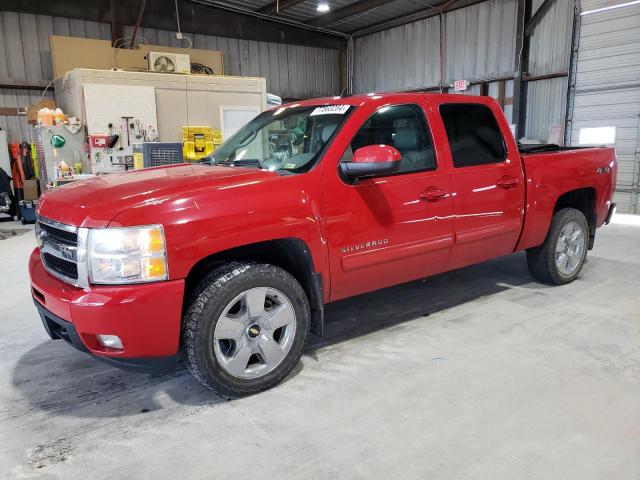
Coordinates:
545	148
552	170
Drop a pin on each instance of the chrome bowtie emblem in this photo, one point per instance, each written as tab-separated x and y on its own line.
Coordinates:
66	251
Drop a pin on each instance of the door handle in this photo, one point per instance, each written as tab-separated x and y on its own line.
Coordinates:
507	182
431	194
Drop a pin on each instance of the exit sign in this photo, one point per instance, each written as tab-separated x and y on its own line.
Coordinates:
460	85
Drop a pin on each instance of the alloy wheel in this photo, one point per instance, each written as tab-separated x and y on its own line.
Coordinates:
255	332
570	248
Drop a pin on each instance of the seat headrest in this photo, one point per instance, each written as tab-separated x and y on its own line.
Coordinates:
407	138
328	130
492	138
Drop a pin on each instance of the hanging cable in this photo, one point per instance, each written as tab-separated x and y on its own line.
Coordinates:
179	35
178	18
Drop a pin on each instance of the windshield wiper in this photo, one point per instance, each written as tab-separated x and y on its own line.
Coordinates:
248	163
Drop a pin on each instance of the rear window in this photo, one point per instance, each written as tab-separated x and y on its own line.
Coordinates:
473	133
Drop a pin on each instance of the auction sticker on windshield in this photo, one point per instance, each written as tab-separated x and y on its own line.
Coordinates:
330	110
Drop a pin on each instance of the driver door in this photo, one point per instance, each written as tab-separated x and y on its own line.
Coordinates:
392	228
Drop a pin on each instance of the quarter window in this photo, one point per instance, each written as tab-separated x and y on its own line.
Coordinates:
403	127
473	133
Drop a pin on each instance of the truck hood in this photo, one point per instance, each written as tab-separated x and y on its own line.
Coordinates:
94	203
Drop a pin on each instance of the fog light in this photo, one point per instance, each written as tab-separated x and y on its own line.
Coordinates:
110	341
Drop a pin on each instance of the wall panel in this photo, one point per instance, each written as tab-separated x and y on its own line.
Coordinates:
550	43
480	41
546	107
607	89
479	45
25	58
401	58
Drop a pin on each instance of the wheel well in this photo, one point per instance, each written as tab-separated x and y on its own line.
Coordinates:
583	199
290	254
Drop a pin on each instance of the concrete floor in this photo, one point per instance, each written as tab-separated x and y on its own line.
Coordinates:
476	374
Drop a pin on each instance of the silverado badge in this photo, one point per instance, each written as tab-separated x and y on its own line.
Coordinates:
364	245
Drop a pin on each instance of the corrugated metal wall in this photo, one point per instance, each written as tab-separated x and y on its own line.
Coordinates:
546	107
508	94
549	53
25	53
25	57
607	88
401	58
550	42
16	126
479	45
480	41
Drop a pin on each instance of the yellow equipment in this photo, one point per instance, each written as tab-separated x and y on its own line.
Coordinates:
198	142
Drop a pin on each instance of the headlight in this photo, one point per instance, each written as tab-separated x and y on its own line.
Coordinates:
127	255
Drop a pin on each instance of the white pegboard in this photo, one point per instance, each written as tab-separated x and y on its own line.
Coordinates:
106	104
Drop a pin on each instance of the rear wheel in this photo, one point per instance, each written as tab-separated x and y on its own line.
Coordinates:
245	328
559	260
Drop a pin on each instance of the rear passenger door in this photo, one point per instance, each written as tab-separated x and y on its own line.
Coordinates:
487	182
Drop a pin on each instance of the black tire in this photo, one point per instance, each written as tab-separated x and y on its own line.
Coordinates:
209	300
542	260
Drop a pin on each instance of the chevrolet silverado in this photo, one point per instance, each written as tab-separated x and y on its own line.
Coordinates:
227	264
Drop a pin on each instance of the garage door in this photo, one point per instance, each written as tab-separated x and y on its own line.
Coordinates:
605	101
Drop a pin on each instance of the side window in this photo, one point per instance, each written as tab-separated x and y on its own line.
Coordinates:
403	127
473	133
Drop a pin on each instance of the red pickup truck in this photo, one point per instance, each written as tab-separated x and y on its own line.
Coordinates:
227	264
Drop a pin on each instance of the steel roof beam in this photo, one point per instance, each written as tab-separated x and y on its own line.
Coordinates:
538	16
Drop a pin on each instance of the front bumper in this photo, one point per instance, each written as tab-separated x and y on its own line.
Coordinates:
146	317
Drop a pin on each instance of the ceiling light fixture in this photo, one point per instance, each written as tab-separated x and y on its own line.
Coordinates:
323	7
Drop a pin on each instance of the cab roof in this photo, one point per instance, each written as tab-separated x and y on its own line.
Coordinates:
388	97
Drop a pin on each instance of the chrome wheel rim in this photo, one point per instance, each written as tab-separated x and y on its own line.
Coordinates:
570	248
255	332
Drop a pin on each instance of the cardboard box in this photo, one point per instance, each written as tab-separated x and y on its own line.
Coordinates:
131	59
74	52
31	189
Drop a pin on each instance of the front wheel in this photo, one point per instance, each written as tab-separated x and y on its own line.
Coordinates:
245	328
560	258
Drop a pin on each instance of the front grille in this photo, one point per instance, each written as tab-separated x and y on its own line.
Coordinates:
66	268
59	249
60	235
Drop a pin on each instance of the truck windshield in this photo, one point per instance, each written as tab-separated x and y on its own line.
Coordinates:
287	140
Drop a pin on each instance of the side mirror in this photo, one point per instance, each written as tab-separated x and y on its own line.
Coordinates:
372	160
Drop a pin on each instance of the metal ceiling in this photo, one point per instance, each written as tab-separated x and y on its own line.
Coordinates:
352	15
293	22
